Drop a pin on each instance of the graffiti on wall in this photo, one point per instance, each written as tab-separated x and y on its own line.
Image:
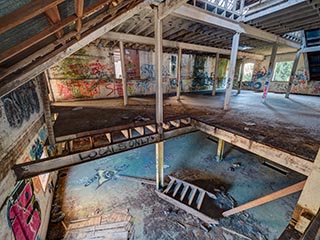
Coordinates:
260	73
132	64
201	78
20	104
148	72
23	212
84	65
35	153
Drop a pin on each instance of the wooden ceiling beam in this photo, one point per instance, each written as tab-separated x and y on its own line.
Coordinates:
45	33
25	13
90	31
53	15
37	38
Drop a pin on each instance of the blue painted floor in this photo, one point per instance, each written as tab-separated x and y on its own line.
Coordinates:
94	187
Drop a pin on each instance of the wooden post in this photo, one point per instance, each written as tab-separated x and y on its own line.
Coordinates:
241	75
269	76
293	73
159	97
179	73
233	59
158	69
309	202
123	74
43	79
160	163
216	75
220	150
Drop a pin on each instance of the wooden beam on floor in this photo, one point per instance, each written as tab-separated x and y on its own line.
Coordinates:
288	160
268	198
25	13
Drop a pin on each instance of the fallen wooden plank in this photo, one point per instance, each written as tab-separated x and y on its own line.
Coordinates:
268	198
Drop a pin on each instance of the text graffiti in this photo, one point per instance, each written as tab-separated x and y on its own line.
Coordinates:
108	150
20	104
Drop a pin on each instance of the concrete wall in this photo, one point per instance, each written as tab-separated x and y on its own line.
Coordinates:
301	83
90	74
24	205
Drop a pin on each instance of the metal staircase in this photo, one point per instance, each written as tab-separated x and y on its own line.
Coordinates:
188	197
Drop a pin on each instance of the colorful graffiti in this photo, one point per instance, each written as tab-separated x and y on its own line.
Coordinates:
23	212
20	104
259	74
132	64
148	72
77	68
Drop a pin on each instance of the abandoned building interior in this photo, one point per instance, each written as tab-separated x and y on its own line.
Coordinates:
160	119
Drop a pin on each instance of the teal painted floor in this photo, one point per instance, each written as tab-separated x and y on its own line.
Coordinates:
190	157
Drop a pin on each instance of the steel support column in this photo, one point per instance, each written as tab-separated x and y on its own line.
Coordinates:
123	74
216	75
179	73
270	72
233	59
293	73
309	202
43	79
159	95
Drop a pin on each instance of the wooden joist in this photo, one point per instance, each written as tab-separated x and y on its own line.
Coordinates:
37	38
268	198
79	5
25	13
53	15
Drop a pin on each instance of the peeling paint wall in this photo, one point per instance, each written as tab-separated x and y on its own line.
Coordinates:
301	83
90	74
24	205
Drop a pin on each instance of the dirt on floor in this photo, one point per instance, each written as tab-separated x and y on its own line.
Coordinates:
256	123
154	218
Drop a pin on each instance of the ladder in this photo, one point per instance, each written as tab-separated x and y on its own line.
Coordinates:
187	197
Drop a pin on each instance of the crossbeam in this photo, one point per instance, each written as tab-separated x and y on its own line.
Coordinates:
87	148
290	161
189	12
173	44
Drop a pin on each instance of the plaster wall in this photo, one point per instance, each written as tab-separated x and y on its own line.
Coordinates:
301	83
90	74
